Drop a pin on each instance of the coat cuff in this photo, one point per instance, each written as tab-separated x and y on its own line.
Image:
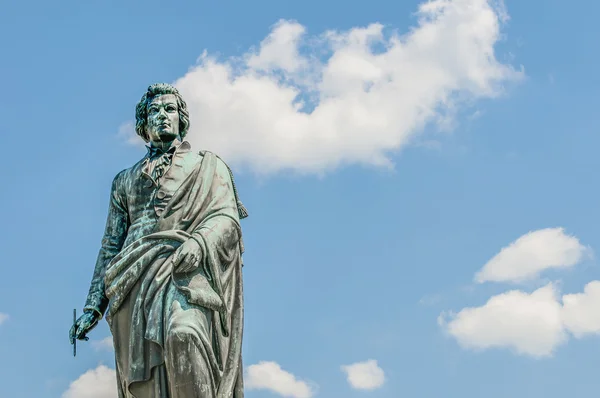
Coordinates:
96	303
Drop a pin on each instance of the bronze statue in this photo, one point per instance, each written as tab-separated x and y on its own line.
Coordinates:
169	272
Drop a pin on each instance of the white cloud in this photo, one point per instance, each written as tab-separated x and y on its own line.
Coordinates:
269	376
314	103
533	324
127	133
525	258
530	324
101	382
580	311
364	375
104	344
95	383
280	50
3	318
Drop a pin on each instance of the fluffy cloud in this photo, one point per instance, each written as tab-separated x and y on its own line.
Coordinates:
535	323
580	311
270	376
532	253
3	318
314	103
532	324
101	382
95	383
364	375
104	344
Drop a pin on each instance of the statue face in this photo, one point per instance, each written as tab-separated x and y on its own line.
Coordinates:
163	119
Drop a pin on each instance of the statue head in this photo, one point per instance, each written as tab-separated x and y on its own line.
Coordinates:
161	116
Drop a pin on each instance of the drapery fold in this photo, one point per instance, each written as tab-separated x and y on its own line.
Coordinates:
141	281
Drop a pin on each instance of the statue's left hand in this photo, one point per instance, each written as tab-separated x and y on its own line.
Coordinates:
187	257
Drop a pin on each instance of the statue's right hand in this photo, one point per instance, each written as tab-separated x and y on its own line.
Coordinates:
82	326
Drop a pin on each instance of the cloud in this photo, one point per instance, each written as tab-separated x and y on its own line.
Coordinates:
127	133
104	344
536	323
280	50
313	103
101	382
580	311
364	375
3	318
530	324
525	258
270	376
95	383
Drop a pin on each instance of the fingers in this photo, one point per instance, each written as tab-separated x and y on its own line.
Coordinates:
184	266
178	257
72	334
185	258
188	263
76	333
175	261
83	325
81	330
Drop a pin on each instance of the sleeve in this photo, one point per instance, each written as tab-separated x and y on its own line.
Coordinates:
117	224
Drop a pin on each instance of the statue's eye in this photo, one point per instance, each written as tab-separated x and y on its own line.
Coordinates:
171	109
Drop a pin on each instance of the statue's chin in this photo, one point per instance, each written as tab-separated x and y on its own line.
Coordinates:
165	136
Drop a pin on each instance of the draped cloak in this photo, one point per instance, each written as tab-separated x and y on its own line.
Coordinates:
145	294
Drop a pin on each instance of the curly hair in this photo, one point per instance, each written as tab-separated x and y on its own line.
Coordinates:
141	109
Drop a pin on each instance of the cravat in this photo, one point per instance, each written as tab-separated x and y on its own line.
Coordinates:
160	161
161	165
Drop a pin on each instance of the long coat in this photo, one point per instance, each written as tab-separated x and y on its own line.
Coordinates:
175	335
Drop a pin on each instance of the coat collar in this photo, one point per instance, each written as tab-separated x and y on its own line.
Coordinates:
177	150
176	147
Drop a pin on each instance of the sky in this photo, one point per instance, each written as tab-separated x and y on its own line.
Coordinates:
421	178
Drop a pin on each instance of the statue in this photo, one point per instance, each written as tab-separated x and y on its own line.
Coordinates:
169	273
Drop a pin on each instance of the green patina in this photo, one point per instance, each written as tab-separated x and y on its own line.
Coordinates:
168	277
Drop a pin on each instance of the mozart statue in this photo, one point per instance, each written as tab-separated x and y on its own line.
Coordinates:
169	273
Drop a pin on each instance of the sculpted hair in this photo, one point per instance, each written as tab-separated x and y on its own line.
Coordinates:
141	109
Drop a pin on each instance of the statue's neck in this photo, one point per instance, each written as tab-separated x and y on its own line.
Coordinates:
164	146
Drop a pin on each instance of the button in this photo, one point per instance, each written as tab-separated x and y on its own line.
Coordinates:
161	194
148	184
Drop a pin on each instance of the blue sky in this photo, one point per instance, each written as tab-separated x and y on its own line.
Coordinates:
461	140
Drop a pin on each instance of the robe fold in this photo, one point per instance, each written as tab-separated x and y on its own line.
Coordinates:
180	334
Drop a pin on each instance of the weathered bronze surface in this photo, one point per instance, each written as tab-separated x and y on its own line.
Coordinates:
169	273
